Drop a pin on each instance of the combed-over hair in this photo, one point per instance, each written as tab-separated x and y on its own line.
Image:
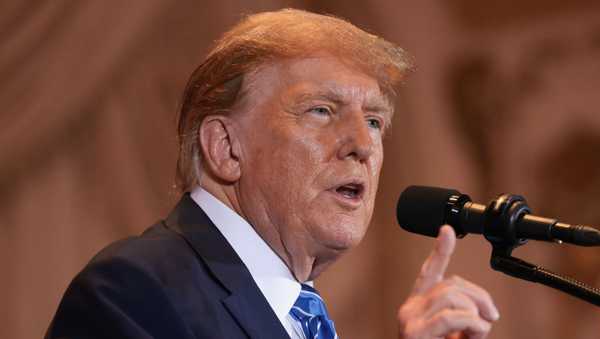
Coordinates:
216	85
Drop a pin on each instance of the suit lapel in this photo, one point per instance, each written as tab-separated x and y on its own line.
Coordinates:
245	302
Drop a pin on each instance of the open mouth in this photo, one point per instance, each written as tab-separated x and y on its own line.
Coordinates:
352	191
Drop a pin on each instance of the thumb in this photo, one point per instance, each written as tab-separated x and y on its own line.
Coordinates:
434	268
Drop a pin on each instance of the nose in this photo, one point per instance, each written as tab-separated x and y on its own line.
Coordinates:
356	139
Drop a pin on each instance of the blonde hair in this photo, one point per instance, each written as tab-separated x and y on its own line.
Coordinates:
216	85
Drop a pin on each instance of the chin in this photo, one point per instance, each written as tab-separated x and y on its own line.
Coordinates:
333	241
342	236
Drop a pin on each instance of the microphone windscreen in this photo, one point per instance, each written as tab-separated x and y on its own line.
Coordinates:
422	209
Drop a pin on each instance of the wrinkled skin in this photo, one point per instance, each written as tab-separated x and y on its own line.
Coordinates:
304	128
441	307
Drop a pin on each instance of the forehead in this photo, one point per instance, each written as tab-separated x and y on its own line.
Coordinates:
326	76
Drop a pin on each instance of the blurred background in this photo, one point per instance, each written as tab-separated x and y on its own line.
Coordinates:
505	98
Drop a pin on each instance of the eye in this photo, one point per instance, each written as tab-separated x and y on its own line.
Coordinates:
374	123
321	110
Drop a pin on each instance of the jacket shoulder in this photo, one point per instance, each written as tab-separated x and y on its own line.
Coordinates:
158	251
152	285
120	294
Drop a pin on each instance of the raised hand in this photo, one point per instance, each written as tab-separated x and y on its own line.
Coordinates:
441	307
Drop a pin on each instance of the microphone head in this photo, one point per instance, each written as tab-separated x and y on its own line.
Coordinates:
422	209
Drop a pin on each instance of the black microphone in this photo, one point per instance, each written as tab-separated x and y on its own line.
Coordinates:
423	210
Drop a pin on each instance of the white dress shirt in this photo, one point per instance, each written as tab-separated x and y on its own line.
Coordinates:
270	273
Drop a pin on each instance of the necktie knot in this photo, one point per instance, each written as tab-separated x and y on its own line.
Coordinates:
310	311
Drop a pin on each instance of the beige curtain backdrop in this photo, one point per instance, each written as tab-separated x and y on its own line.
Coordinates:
504	98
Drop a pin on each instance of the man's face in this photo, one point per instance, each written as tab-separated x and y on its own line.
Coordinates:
311	152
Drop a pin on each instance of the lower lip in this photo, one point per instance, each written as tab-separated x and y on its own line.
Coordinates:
346	202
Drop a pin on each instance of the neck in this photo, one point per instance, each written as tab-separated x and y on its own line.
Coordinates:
301	263
225	194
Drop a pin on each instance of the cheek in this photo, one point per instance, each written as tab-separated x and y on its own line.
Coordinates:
375	163
287	166
374	169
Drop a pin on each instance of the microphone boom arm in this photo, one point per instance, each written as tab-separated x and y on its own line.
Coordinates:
499	220
521	269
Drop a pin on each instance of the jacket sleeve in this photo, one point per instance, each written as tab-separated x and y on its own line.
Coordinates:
116	298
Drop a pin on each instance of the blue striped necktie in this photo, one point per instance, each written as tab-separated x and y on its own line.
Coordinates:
310	311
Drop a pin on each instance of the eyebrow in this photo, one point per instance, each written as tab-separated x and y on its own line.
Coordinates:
326	95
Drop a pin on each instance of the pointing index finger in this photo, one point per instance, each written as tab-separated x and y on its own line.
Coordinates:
434	268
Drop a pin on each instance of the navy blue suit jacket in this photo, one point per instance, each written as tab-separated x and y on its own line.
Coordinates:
179	279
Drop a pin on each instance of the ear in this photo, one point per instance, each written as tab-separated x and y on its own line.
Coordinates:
220	150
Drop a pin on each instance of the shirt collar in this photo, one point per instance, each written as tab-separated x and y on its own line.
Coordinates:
270	273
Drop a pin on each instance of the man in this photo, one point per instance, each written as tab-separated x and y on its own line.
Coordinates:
281	133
